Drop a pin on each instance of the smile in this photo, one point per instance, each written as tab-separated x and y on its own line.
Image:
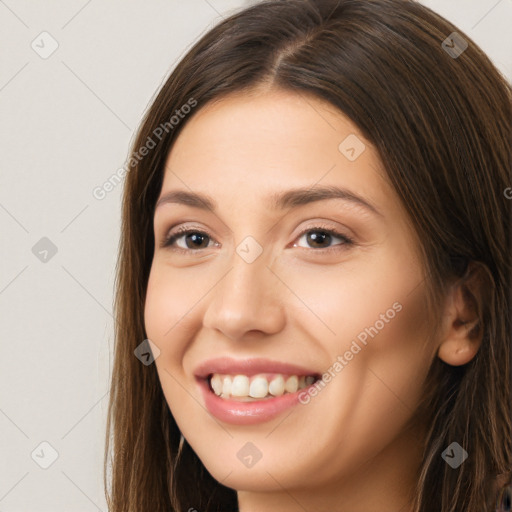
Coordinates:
244	388
250	391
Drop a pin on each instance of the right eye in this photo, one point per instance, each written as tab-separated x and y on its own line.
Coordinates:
187	239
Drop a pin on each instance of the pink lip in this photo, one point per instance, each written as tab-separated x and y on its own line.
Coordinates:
249	367
247	413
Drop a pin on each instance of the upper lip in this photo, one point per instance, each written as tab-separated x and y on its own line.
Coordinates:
249	367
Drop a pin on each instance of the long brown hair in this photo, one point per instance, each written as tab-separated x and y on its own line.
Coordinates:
442	124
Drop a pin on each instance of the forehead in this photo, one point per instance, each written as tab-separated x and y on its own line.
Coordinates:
281	120
244	147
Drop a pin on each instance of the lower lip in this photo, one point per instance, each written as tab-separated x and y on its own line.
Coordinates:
247	413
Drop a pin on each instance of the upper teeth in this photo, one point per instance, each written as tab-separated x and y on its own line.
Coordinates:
258	386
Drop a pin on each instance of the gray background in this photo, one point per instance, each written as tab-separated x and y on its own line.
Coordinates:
66	123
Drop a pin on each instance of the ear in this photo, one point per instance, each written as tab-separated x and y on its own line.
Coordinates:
462	329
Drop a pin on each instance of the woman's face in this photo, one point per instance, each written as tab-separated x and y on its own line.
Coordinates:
300	263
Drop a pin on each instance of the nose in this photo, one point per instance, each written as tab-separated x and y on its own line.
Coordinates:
248	299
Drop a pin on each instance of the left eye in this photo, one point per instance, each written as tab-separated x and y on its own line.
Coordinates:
318	236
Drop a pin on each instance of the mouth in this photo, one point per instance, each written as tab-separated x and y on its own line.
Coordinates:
253	390
264	386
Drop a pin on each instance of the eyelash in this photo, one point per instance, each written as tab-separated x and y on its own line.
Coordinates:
170	239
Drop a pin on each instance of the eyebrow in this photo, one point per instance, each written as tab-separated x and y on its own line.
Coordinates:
281	200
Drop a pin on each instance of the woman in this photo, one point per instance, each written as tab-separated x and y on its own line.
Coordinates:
315	253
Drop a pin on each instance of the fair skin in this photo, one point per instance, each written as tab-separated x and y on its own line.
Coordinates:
350	448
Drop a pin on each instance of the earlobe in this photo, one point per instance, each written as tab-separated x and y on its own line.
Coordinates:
458	350
462	330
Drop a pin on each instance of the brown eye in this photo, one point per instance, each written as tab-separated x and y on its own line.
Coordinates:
196	240
188	239
320	238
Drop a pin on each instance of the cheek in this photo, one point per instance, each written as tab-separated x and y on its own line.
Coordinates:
377	386
370	291
170	317
171	305
395	355
383	329
400	354
378	324
158	309
391	368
